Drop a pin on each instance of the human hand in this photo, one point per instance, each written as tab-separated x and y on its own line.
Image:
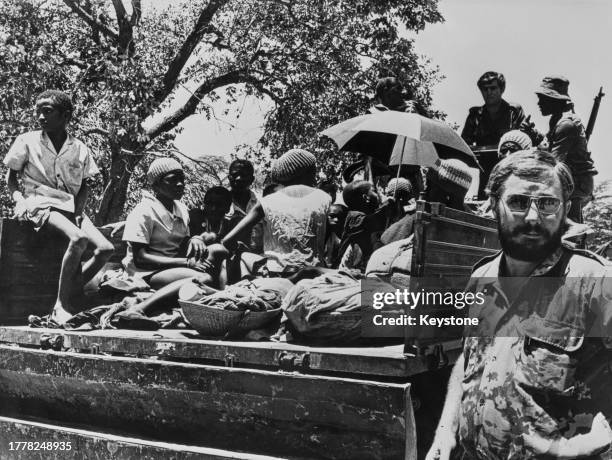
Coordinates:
115	227
388	200
528	127
20	210
527	124
589	444
442	446
199	265
196	248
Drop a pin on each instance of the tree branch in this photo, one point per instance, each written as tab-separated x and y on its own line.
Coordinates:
218	41
96	130
126	30
89	19
73	62
260	86
287	4
136	12
189	108
120	10
201	27
7	121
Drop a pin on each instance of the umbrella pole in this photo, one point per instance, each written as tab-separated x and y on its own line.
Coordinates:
369	172
399	168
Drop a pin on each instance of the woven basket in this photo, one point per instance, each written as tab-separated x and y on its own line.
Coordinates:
218	322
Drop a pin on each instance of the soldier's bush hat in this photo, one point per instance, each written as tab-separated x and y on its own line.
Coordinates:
555	87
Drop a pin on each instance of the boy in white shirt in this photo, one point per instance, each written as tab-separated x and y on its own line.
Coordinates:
54	167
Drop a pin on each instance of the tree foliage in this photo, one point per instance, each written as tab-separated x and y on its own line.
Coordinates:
137	69
598	215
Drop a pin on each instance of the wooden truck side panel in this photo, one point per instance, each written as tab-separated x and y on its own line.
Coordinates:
258	411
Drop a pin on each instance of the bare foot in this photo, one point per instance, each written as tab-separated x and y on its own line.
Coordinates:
60	314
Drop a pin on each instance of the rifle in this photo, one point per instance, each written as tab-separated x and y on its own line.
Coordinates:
594	110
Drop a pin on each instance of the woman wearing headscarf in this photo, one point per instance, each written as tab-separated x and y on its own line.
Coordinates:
159	248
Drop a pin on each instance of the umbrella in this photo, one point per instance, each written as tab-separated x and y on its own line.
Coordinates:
401	138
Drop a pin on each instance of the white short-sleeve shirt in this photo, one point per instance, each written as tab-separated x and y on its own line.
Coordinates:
50	178
152	224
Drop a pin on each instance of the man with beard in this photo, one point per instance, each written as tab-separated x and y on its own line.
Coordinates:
534	377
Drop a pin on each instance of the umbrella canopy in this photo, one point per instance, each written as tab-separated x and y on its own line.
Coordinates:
400	138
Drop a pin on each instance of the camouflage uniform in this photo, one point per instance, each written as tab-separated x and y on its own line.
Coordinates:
532	370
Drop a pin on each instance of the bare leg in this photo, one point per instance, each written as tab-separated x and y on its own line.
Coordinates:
103	251
77	243
165	277
167	284
217	253
162	298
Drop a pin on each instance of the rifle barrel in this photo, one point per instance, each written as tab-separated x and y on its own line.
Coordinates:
594	111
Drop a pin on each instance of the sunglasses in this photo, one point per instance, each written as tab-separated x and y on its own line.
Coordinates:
509	147
544	204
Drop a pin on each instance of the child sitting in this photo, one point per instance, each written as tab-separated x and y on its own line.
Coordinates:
335	225
400	189
364	224
54	167
210	221
241	176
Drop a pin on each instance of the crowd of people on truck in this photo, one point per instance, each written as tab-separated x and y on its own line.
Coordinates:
511	394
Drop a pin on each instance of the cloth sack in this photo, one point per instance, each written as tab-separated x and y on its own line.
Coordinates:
324	310
393	262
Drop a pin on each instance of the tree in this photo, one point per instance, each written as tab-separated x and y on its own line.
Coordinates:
137	70
598	214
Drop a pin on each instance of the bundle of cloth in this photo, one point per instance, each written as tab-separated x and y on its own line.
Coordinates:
108	317
258	295
326	310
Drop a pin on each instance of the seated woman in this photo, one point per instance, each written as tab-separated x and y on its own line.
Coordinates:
294	217
159	248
